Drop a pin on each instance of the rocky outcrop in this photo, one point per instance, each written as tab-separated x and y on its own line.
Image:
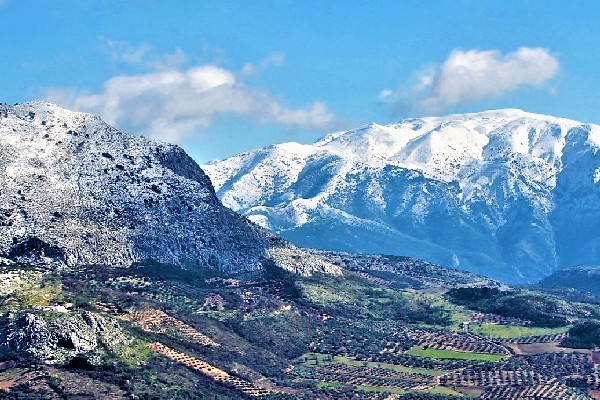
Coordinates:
60	338
75	191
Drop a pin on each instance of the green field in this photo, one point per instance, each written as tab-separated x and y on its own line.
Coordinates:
379	389
362	388
512	332
419	351
330	385
325	359
444	390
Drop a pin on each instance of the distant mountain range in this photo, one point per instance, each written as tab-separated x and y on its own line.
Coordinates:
505	193
75	192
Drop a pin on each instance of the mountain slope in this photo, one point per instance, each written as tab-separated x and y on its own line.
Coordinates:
506	193
583	278
76	191
83	197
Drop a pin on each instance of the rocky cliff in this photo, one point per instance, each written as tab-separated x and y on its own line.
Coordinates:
60	339
75	191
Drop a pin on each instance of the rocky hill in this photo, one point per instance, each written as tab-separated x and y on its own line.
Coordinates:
505	193
75	191
584	278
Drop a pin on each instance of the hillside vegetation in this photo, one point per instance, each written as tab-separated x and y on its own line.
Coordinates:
387	326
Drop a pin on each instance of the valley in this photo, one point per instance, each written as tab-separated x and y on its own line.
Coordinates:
387	328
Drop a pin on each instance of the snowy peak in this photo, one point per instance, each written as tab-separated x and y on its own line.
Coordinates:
433	144
76	191
490	178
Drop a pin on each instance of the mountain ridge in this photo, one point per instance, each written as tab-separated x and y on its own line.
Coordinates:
502	181
76	191
211	316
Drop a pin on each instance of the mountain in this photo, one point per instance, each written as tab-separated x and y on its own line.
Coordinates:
123	277
582	278
505	193
76	192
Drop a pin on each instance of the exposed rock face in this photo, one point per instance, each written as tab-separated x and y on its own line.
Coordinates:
76	191
60	339
505	193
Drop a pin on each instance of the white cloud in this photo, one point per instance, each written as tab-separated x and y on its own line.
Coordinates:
120	50
272	60
316	115
144	54
471	75
249	69
175	104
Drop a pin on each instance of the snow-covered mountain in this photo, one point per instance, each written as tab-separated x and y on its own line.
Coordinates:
75	191
506	193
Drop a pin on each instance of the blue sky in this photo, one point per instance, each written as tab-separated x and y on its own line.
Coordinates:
220	77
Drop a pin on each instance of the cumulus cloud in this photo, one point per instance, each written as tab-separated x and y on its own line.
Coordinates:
176	104
470	75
